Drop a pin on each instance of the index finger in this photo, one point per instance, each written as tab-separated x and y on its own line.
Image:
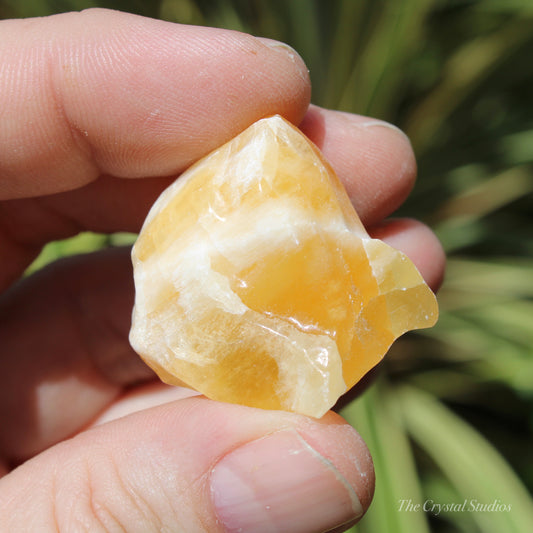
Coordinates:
102	92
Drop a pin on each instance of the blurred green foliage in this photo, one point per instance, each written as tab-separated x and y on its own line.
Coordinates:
451	416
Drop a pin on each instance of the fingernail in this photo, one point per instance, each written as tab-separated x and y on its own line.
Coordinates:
293	55
280	483
383	124
272	43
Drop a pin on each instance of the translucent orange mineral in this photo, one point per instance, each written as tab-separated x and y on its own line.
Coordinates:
257	284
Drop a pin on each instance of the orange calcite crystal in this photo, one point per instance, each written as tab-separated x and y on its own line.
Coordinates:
257	284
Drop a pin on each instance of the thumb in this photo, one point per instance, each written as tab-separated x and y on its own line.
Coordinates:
195	465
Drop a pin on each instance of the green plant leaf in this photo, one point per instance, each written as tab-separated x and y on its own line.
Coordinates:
375	417
476	470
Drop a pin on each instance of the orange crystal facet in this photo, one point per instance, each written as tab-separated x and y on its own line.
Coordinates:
257	284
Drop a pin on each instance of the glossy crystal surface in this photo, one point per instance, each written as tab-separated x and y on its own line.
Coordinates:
257	284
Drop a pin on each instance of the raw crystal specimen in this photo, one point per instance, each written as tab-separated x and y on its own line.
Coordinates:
257	284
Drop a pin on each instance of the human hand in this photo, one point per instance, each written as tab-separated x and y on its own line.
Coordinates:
98	108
